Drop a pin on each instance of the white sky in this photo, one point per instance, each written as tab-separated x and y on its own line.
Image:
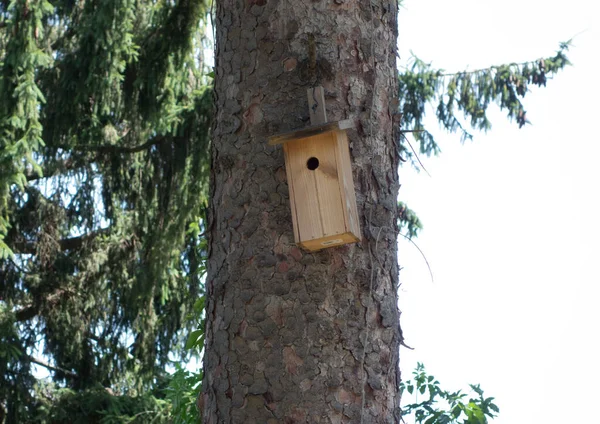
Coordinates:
511	219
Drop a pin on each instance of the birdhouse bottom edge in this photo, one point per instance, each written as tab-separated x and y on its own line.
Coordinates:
328	241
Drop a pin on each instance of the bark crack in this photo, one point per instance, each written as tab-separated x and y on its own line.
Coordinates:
367	327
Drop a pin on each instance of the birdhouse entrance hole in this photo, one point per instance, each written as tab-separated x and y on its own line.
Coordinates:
312	163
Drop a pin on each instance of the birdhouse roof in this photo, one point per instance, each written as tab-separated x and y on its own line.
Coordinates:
310	131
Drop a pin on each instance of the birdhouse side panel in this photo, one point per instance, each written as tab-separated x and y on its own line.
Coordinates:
348	192
288	171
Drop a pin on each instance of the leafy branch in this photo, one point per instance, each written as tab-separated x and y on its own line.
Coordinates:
443	407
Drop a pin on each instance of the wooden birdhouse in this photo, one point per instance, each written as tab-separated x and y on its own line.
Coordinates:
319	175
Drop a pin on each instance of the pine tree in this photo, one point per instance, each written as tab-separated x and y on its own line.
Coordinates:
105	117
104	121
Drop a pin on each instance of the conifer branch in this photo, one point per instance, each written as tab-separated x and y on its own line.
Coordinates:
71	243
45	364
113	148
28	312
490	68
470	93
70	164
55	169
134	149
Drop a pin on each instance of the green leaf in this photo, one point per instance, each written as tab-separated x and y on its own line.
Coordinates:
193	338
456	411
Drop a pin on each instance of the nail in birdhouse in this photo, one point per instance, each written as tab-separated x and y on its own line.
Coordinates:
319	175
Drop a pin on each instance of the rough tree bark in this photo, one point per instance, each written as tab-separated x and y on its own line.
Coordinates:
291	336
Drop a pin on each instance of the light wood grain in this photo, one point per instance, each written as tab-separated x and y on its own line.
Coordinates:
331	241
347	184
316	199
322	200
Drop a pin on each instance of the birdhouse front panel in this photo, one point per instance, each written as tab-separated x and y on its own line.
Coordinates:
322	196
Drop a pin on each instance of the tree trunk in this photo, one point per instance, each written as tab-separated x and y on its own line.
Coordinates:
292	336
